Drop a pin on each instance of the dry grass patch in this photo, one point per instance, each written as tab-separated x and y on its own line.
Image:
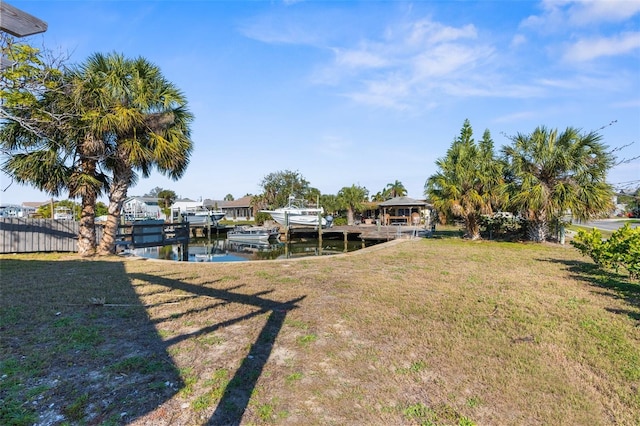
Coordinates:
418	332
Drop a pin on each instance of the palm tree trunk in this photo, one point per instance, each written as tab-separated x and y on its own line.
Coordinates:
89	195
117	196
350	216
87	228
537	230
473	227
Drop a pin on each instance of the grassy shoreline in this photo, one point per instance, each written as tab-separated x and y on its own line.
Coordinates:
438	331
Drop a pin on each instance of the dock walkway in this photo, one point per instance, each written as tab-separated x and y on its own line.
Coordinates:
362	232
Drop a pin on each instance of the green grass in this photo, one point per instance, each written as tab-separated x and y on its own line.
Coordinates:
435	331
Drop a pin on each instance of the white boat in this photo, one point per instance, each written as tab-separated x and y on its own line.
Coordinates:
202	216
62	213
252	233
295	214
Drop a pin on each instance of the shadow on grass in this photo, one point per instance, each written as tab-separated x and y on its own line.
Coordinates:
237	393
619	285
78	345
448	233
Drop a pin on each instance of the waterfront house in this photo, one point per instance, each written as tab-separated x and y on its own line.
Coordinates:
240	209
404	211
136	208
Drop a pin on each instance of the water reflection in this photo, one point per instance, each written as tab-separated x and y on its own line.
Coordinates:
223	250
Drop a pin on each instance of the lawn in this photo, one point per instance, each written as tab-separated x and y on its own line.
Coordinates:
431	331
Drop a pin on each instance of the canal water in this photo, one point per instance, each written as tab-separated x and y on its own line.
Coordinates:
223	250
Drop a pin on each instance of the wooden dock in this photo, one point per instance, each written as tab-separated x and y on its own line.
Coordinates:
355	232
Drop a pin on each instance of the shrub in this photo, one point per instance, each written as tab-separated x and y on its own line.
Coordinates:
622	249
340	221
501	223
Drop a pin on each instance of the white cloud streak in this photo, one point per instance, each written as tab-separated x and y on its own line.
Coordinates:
592	48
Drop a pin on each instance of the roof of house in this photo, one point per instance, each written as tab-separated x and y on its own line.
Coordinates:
240	202
146	200
402	201
36	204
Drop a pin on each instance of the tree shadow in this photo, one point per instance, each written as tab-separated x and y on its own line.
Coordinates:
238	391
617	285
78	345
78	341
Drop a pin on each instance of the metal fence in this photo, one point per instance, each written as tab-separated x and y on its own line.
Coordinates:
18	235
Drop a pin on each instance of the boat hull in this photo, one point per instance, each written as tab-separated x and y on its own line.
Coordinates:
302	219
251	234
202	218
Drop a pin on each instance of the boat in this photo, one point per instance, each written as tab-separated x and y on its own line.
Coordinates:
295	214
202	216
253	233
62	213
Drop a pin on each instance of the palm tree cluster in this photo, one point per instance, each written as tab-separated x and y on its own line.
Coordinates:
121	119
542	177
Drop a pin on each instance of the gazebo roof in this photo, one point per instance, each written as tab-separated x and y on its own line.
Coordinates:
402	201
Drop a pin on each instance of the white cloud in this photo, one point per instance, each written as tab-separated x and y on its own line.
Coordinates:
593	48
392	93
590	12
358	59
407	62
518	40
447	59
428	32
557	14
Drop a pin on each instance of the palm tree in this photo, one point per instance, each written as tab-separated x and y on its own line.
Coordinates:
167	197
144	125
468	183
351	198
61	153
330	203
553	174
395	189
379	196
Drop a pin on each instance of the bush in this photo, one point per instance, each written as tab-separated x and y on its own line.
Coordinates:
340	221
622	249
501	223
261	217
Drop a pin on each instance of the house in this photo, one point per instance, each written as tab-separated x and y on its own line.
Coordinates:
12	210
240	209
136	208
405	211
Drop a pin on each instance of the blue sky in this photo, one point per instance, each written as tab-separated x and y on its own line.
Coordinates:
363	92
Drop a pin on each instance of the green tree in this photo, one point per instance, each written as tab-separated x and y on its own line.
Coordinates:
395	189
166	198
33	74
101	123
146	121
277	187
552	174
330	203
351	198
154	192
45	138
469	181
228	197
379	196
101	209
